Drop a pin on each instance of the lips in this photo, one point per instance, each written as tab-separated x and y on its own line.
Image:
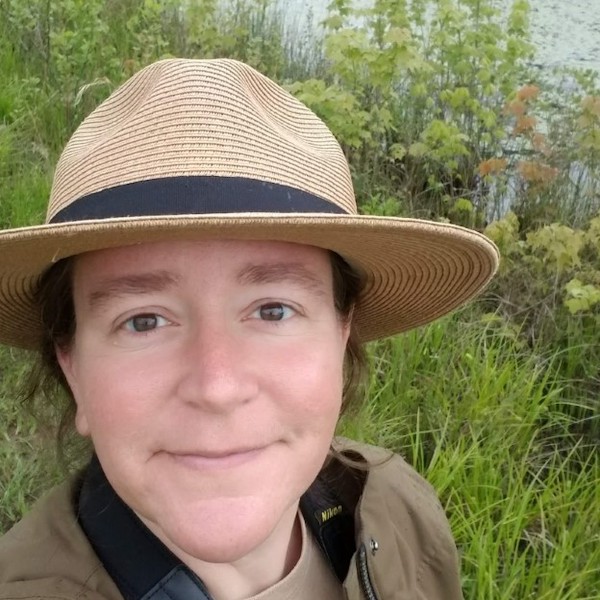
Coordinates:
216	459
216	453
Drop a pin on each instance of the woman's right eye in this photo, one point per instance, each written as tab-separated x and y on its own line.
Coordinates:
144	323
274	311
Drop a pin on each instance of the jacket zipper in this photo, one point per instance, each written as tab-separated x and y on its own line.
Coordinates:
363	574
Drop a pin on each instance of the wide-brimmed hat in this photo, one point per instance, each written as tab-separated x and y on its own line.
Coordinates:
204	149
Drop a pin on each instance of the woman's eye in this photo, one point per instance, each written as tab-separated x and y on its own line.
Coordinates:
274	311
144	323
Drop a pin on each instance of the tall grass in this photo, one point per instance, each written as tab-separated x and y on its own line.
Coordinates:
483	418
28	464
504	425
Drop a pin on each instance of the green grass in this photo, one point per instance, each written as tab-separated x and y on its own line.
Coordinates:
28	464
483	419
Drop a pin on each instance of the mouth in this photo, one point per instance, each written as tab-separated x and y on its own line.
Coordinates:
204	460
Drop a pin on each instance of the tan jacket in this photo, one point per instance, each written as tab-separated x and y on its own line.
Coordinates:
405	550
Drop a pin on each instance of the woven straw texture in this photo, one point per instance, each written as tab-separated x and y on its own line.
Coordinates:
221	118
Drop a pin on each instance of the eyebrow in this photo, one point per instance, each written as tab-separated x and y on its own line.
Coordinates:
295	273
139	283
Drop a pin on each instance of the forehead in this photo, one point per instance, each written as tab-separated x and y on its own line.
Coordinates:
209	258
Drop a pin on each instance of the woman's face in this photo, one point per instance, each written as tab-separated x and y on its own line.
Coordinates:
209	377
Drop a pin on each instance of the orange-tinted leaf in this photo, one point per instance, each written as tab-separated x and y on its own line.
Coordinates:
591	104
515	108
492	166
528	92
536	172
538	141
524	124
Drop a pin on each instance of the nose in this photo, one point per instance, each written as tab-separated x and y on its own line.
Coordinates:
216	373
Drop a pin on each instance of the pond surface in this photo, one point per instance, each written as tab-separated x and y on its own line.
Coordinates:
567	32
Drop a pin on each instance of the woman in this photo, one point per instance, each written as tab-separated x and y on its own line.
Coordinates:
201	289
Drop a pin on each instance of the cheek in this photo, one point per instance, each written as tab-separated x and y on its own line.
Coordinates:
312	382
112	394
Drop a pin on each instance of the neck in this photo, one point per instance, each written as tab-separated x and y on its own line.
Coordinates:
263	567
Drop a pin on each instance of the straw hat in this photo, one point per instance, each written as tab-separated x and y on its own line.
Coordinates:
200	149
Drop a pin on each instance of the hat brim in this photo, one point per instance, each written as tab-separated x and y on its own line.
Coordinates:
415	270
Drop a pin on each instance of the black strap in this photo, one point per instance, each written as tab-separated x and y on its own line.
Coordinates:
178	584
332	524
329	508
194	196
143	568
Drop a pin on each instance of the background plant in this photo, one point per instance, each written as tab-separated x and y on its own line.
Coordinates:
415	93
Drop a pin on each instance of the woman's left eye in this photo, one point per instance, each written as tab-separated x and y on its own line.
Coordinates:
144	323
274	311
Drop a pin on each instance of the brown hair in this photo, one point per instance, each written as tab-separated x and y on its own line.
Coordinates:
54	297
348	283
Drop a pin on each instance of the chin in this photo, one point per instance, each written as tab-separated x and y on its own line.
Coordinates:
217	551
223	530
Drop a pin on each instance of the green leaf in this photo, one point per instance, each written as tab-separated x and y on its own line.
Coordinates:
397	151
418	149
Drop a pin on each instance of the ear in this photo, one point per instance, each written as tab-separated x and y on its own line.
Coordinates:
346	329
66	359
347	325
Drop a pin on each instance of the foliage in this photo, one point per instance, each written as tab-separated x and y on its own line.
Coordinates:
549	285
426	80
549	168
27	463
552	262
444	110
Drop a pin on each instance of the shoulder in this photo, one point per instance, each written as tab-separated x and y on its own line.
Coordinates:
46	554
401	514
389	474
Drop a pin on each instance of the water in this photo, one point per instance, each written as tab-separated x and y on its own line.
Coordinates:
566	33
